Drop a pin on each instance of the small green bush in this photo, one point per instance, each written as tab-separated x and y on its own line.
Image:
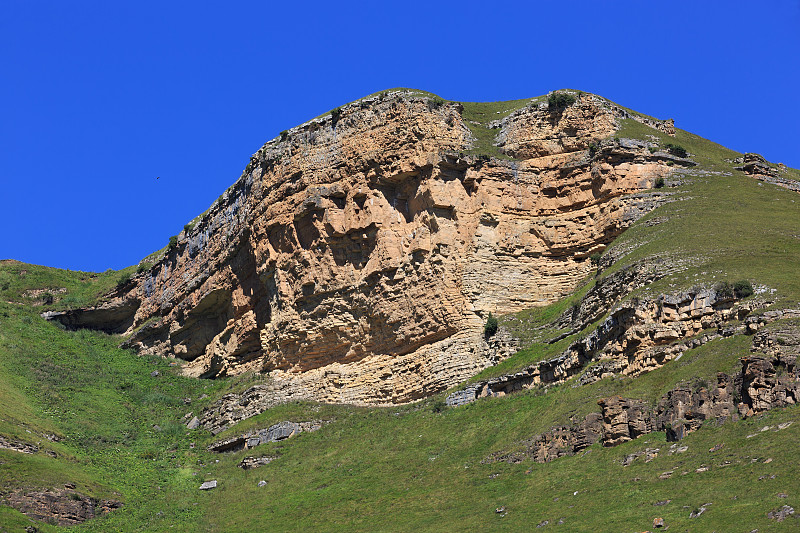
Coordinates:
740	289
743	289
435	102
123	280
490	328
173	242
593	148
336	114
724	289
560	100
284	135
676	150
595	258
659	183
652	149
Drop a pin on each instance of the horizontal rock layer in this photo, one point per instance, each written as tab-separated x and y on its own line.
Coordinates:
764	382
638	336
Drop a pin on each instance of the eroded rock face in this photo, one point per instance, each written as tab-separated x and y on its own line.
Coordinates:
62	506
356	260
752	390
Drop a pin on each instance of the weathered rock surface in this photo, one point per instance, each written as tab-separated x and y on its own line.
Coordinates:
638	336
17	446
756	166
764	382
274	433
63	506
248	463
356	259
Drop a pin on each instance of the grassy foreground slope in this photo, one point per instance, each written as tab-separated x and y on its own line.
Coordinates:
414	467
118	431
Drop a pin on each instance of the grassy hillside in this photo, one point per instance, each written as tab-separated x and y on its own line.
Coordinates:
103	421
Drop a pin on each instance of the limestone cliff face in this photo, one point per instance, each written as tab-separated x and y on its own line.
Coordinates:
356	258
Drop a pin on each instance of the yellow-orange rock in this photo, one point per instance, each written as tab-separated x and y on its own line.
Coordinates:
356	261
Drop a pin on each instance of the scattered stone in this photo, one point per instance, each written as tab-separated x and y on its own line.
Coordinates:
784	425
662	502
262	483
194	423
155	373
699	511
500	510
781	513
156	427
187	401
658	522
678	449
543	523
249	463
702	469
208	485
782	495
69	485
666	475
767	460
716	447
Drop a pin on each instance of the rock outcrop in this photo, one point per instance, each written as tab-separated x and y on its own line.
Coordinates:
357	257
64	507
636	337
766	381
756	166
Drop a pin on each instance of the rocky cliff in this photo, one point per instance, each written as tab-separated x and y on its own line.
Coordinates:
358	255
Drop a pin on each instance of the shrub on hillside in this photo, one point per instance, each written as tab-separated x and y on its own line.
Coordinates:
743	289
740	289
123	280
490	328
560	100
676	150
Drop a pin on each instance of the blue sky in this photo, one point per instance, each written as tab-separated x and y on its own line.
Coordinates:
100	98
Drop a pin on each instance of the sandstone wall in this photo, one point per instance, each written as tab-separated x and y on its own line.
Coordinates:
356	259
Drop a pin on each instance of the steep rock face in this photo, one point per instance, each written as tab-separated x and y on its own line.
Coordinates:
356	258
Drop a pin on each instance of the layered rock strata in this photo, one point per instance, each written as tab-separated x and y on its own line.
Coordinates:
64	507
764	382
256	437
636	337
357	257
756	166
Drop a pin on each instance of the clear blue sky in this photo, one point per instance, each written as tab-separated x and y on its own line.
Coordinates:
100	98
